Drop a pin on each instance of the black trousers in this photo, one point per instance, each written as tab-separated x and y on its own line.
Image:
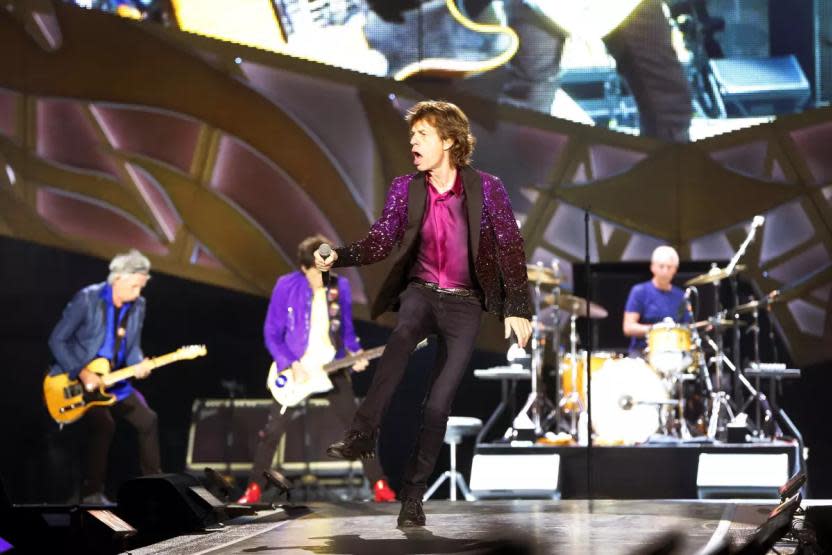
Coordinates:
456	322
101	426
341	400
644	57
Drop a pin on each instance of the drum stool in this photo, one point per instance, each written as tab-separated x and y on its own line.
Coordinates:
458	428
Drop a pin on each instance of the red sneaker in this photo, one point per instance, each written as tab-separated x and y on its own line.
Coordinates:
252	494
382	492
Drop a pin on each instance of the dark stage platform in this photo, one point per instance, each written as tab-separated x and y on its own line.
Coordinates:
646	471
569	526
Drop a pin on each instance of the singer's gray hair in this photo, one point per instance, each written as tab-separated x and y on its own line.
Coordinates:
127	263
665	253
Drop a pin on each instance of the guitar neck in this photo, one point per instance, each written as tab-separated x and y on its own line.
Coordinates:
130	371
352	359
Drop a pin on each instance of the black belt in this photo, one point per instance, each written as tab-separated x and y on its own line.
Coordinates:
454	291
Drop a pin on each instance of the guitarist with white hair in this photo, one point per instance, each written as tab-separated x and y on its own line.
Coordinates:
104	320
308	325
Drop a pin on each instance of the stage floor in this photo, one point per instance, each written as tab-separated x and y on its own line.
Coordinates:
567	526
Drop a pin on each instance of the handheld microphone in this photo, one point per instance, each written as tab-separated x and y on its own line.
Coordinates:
325	250
758	221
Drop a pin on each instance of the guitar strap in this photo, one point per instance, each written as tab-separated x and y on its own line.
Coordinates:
335	313
121	333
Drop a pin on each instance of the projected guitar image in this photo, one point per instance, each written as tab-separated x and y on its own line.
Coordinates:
346	33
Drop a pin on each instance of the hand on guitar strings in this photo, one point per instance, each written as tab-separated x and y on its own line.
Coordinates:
90	379
361	364
299	373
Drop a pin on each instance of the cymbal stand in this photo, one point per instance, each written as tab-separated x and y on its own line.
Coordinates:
556	316
750	389
537	406
703	367
756	393
719	399
574	398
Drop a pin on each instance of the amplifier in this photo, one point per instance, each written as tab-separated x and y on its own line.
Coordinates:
225	430
761	86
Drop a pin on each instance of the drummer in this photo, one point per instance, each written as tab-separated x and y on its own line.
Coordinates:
653	301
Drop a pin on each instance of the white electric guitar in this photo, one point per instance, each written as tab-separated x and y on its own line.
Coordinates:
289	393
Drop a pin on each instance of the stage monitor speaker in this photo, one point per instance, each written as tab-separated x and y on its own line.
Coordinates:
515	476
761	86
741	475
165	505
221	432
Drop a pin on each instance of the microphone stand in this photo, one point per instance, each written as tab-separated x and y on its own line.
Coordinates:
729	271
756	222
587	365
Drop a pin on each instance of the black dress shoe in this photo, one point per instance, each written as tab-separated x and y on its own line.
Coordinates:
411	513
355	445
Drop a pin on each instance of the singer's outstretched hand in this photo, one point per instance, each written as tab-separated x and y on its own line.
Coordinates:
325	264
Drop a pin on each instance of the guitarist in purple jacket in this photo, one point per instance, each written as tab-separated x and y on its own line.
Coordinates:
308	322
105	320
457	251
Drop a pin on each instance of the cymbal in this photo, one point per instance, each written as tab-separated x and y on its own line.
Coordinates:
751	306
541	274
576	305
723	323
714	274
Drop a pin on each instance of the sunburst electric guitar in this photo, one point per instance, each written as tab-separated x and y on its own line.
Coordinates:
67	400
289	393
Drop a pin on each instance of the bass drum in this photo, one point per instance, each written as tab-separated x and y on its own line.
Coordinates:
627	401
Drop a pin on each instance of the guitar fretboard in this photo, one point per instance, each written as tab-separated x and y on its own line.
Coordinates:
352	359
130	371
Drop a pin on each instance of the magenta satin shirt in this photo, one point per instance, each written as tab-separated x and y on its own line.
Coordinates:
443	249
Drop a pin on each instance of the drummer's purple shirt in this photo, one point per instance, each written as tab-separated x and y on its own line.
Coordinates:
654	305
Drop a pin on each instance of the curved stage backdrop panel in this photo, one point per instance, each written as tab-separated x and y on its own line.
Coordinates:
216	158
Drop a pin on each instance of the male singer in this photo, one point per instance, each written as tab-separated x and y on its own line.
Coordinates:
457	251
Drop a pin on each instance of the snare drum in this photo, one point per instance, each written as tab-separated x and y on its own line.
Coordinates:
573	380
627	401
669	347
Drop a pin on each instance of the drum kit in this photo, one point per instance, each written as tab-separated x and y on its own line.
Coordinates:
677	389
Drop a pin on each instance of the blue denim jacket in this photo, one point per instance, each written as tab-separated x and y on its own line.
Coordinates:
286	330
79	335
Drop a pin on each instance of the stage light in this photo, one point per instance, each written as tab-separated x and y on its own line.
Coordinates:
219	482
278	480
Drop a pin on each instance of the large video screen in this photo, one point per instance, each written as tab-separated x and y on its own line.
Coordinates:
675	70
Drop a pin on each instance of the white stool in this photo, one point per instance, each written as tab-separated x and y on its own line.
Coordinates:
458	428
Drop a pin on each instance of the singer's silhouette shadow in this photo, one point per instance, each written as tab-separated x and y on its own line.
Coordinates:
413	542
